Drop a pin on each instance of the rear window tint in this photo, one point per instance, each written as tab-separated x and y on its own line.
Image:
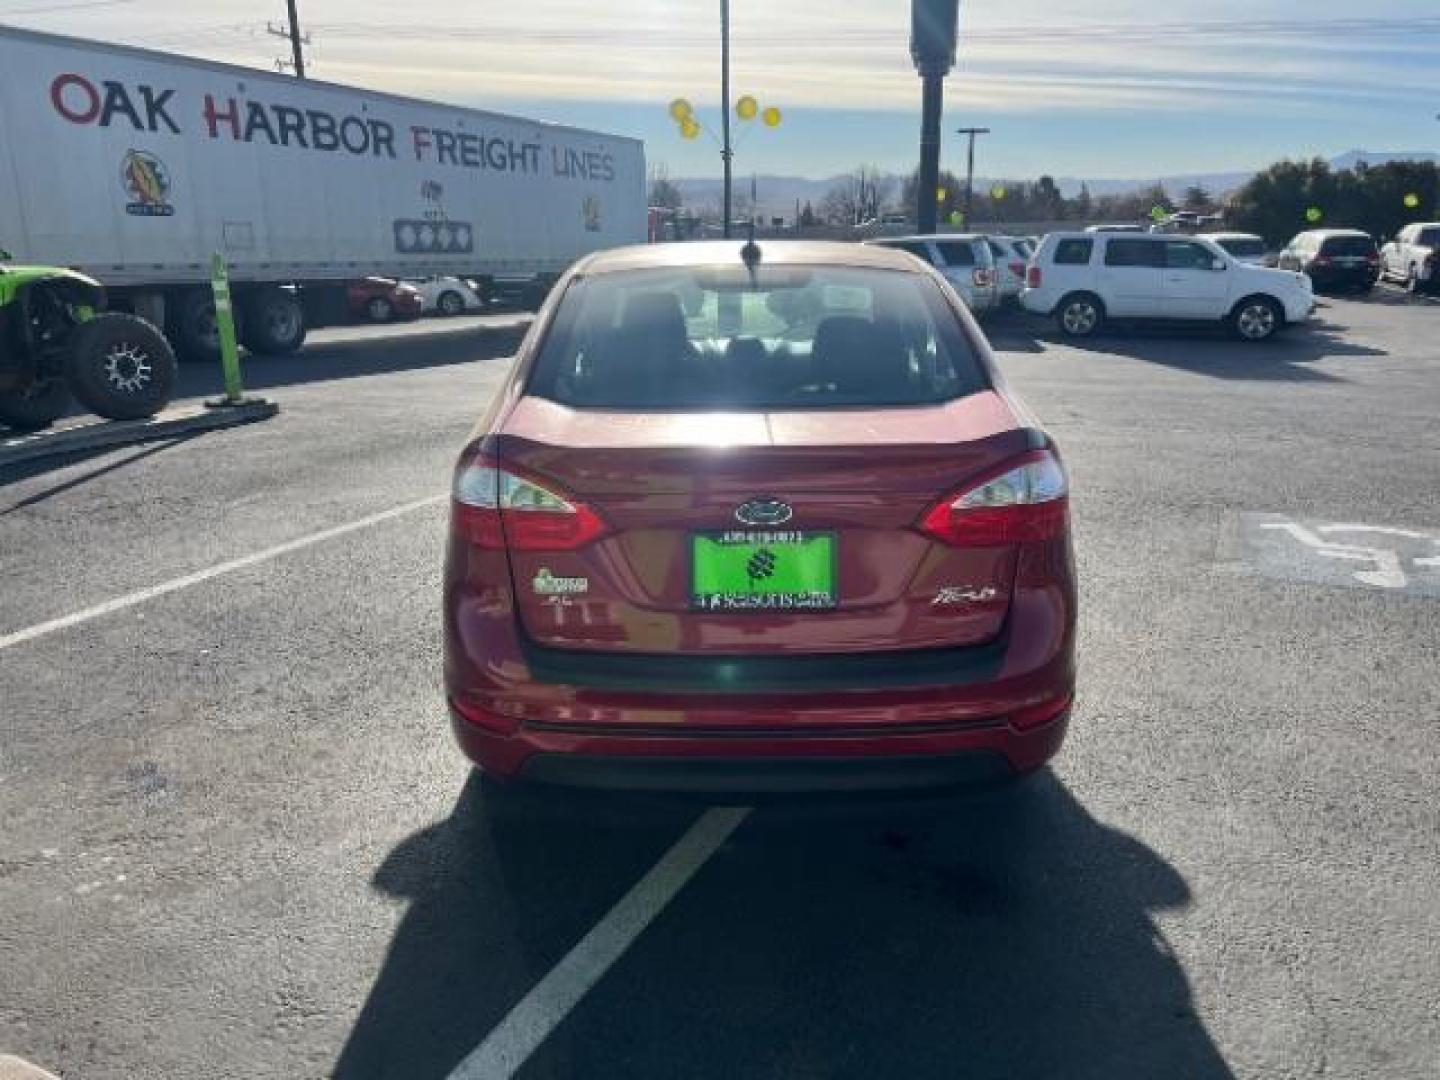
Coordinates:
1143	253
1428	238
795	337
1348	245
1074	252
919	249
1243	247
956	252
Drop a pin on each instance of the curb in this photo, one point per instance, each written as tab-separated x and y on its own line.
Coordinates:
13	1068
102	434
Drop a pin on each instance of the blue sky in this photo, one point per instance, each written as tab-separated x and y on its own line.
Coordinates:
1104	88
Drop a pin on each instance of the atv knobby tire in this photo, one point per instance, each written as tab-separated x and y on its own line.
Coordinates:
36	406
120	367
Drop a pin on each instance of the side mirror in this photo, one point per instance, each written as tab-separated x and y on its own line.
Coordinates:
1218	264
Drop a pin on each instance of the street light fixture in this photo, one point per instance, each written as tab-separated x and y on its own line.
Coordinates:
747	110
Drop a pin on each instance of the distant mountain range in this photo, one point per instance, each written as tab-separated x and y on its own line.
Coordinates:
777	195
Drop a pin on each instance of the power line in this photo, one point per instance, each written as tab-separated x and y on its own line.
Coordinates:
50	9
637	36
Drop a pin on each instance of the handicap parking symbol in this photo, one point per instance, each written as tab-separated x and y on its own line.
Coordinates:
1384	557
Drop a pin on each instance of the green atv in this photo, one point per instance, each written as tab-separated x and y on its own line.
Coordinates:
55	341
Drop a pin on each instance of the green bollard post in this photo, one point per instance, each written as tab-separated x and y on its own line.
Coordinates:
225	323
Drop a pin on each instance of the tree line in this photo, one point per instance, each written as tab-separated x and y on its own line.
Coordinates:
1286	198
1292	196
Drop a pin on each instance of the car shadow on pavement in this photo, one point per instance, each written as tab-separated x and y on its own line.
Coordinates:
1207	351
1008	936
326	361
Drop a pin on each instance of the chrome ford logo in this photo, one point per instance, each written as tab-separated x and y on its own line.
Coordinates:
764	511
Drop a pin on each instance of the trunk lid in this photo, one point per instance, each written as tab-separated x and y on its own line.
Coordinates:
855	483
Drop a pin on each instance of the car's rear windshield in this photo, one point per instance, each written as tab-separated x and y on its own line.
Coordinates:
784	337
1348	245
1241	246
1428	238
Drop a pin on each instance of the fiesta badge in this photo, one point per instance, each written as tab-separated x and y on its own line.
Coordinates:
146	181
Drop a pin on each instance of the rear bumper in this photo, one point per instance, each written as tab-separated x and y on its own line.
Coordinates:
972	755
843	721
1344	277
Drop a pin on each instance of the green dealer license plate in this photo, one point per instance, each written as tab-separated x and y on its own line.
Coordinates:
774	570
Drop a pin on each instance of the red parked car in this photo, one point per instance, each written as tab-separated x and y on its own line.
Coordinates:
758	518
383	300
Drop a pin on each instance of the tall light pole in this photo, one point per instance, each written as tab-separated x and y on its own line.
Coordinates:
970	168
932	47
726	150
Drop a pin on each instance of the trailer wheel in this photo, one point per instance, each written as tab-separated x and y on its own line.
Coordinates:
195	328
120	367
274	323
451	303
379	310
35	407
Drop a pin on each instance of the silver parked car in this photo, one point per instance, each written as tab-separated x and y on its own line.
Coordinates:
963	259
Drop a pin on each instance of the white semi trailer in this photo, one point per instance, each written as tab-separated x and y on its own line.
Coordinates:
135	166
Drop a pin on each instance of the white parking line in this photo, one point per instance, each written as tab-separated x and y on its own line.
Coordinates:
538	1014
30	633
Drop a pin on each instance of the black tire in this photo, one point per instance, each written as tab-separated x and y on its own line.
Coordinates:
274	323
1256	319
120	367
450	303
35	407
1080	315
1412	281
196	333
379	310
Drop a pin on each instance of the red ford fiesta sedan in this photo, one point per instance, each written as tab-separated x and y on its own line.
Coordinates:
758	517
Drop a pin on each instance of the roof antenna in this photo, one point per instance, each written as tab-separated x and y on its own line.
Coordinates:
750	254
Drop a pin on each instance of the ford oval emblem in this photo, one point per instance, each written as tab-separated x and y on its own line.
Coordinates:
764	511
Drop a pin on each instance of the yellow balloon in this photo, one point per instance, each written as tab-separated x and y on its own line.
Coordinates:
772	117
1412	201
747	108
940	194
681	110
997	192
689	129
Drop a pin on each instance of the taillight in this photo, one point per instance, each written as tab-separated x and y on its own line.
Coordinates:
981	277
496	508
1028	501
1033	277
1017	268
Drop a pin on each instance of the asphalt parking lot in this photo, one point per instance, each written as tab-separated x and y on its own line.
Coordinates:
238	841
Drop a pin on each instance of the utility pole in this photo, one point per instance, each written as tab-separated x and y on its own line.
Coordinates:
970	168
297	41
933	28
727	151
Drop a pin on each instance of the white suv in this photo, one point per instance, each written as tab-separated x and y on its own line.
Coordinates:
1082	279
